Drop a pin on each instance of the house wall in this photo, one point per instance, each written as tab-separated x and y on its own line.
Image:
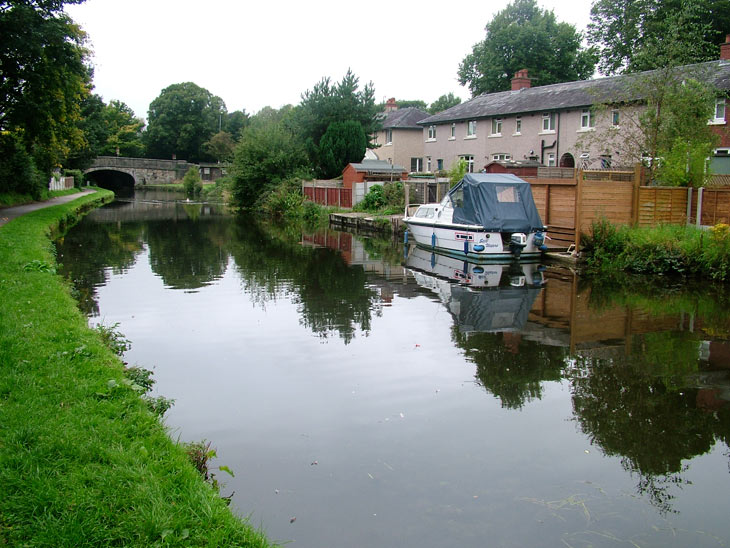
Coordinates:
406	144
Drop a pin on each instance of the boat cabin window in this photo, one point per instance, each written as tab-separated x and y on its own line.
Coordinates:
425	212
457	198
507	193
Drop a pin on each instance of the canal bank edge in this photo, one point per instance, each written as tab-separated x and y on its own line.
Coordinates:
82	459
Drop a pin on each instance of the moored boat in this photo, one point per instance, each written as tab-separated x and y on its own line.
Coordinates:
484	217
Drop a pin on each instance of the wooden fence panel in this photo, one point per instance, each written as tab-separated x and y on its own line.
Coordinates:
715	206
659	205
612	200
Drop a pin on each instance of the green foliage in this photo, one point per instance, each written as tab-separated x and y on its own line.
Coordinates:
386	198
192	183
77	174
181	120
329	103
685	164
633	35
417	103
667	250
113	338
18	173
267	155
342	143
235	122
374	200
45	77
457	171
524	36
220	146
444	102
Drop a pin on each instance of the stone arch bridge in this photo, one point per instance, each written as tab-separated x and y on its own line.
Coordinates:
119	171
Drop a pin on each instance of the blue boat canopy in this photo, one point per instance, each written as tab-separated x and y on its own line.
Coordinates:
500	202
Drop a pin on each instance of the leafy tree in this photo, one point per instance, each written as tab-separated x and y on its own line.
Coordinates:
524	36
235	122
342	143
636	35
192	183
125	131
416	103
45	77
221	146
180	120
268	154
327	103
18	173
444	102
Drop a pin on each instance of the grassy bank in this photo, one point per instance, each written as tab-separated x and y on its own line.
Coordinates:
83	461
8	199
667	250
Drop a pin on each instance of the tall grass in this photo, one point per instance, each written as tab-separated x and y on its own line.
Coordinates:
83	460
666	250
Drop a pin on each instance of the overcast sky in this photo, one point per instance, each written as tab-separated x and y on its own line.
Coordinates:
267	53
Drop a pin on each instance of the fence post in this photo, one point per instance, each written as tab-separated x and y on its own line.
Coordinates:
689	205
635	200
406	195
698	221
577	219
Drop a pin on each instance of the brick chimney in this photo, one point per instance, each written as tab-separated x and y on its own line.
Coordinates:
725	48
520	80
391	105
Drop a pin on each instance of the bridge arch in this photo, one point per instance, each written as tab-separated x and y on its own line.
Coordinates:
112	178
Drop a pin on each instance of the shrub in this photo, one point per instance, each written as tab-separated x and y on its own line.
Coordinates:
77	174
192	183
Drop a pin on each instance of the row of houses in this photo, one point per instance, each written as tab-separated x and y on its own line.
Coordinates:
548	125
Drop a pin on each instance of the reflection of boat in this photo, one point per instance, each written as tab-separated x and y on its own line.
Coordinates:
487	297
512	273
486	216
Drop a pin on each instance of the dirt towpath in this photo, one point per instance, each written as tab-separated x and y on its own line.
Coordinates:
9	213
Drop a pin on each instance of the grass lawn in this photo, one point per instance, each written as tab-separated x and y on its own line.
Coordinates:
83	460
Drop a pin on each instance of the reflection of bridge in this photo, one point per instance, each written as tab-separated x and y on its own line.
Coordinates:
136	171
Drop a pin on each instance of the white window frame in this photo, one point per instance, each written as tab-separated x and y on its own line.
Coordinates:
453	132
428	164
551	159
586	120
720	115
501	157
431	133
388	136
419	165
615	118
471	129
548	122
496	127
518	126
469	158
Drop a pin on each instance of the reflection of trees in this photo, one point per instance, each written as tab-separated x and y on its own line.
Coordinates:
511	367
332	296
638	407
87	251
188	254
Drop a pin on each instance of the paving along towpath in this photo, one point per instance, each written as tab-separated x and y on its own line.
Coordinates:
9	213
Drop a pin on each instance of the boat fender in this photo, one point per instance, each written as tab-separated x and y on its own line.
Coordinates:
479	247
466	247
405	236
433	239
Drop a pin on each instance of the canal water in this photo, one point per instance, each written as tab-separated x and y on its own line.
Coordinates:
365	394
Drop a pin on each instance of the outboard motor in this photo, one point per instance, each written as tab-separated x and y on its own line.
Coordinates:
517	242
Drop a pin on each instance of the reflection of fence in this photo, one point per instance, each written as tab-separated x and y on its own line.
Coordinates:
62	183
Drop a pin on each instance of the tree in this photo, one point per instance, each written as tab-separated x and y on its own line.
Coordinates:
327	103
342	143
416	103
180	120
192	183
444	102
636	35
524	36
125	131
221	146
45	77
235	123
268	154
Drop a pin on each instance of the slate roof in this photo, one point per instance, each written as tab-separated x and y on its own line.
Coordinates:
404	118
582	93
378	166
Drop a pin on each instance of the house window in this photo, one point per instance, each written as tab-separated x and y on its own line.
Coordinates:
440	164
469	159
496	126
518	125
551	159
586	119
719	112
471	128
548	121
431	133
501	157
416	165
615	118
428	164
453	131
388	136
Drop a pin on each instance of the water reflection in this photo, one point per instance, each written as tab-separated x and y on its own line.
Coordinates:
645	374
